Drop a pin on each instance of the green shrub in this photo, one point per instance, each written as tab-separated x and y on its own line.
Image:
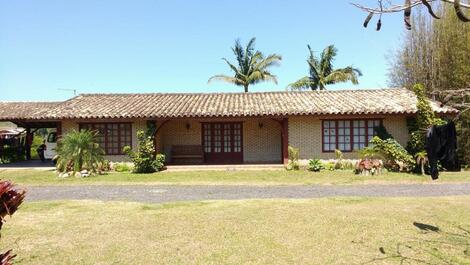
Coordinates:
370	152
122	167
144	159
329	166
160	159
396	157
105	166
37	141
338	154
293	158
9	154
346	165
425	118
315	165
79	150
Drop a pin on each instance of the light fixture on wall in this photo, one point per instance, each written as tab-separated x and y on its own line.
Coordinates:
188	126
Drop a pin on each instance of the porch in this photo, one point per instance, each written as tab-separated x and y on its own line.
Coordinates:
229	141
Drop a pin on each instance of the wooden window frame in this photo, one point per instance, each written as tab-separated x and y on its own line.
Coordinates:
351	127
105	136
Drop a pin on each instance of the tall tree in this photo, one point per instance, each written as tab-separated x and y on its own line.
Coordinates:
436	53
322	72
253	66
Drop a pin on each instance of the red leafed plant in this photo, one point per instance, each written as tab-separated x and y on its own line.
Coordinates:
6	258
10	200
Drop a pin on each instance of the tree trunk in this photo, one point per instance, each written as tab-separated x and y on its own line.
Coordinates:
246	88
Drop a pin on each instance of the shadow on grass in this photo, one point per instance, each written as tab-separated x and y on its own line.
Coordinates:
436	247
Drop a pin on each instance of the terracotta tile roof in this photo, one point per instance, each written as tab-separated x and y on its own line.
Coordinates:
346	102
25	110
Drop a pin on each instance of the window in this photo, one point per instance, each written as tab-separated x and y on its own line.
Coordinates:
112	137
348	135
329	135
207	138
222	137
344	136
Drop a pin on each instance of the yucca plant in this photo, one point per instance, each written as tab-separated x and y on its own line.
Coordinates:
10	199
252	66
78	151
421	161
322	72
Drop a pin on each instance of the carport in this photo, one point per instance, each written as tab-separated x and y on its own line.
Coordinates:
29	116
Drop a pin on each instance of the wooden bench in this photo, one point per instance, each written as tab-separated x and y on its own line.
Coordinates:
187	154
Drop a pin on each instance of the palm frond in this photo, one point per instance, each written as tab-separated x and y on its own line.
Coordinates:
250	47
326	60
249	52
313	69
268	77
227	79
343	75
271	60
233	67
312	59
239	52
303	83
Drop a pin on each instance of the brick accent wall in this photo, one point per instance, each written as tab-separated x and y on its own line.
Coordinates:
305	133
176	133
260	145
396	126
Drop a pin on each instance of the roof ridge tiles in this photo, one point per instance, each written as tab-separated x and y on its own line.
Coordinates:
239	93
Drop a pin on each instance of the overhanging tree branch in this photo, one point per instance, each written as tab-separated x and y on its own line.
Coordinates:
408	5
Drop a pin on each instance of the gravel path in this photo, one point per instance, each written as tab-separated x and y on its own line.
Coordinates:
161	194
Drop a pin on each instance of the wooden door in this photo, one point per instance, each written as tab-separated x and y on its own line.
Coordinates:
223	142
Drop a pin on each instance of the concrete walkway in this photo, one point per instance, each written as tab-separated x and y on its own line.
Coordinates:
162	194
31	164
172	168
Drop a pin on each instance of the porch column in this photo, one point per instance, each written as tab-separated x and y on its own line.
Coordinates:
59	129
285	140
156	141
28	143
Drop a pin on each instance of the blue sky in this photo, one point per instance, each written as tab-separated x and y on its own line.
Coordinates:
116	46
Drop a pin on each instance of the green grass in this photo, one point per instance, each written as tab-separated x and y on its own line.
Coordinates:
321	231
276	177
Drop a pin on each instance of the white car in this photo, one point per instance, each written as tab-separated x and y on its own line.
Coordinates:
51	144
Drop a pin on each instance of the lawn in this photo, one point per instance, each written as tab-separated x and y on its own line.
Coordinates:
268	177
320	231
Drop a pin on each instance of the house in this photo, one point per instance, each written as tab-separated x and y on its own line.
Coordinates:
231	128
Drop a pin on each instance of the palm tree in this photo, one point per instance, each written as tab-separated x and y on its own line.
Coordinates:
79	150
322	72
253	66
